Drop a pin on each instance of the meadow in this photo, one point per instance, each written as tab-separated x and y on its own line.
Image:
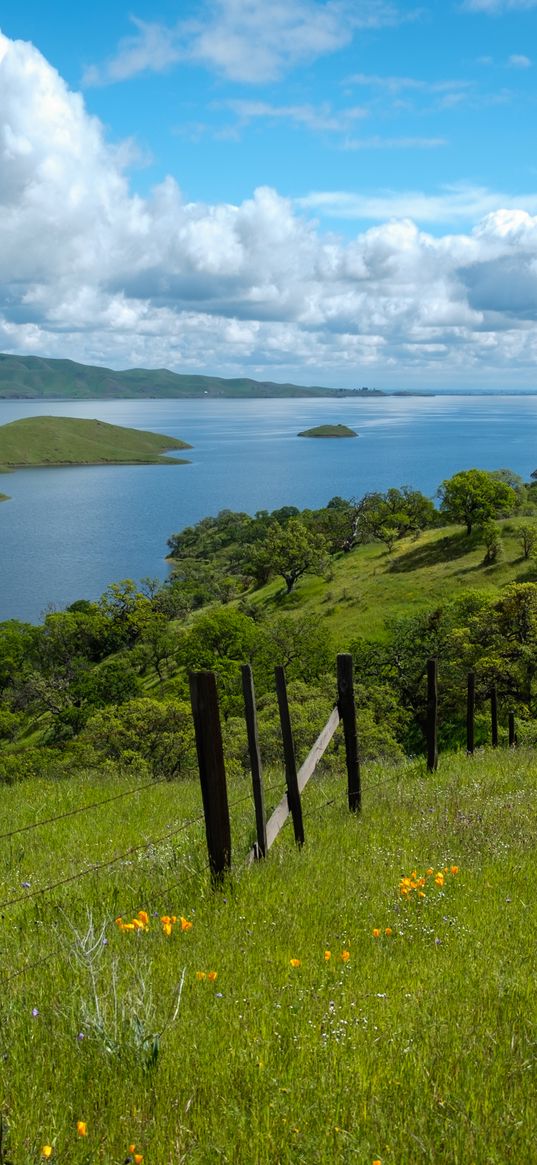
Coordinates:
368	998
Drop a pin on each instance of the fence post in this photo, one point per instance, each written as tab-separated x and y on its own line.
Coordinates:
494	716
470	711
432	715
255	759
293	792
347	712
512	732
204	700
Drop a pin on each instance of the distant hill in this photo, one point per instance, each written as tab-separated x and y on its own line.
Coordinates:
328	431
34	378
41	441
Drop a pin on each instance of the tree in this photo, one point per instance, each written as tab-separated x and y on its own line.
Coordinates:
474	496
293	550
393	515
527	536
493	543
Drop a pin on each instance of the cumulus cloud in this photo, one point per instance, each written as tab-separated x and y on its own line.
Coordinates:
245	40
518	61
92	271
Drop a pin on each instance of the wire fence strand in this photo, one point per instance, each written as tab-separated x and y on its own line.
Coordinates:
82	809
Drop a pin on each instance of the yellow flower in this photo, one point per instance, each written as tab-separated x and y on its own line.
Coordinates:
143	916
421	894
430	871
132	1148
454	869
46	1152
82	1128
377	1161
185	924
212	976
138	924
345	955
128	926
388	931
439	880
327	956
167	927
200	975
138	1158
294	962
376	932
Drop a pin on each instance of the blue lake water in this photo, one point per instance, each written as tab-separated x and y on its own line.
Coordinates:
66	533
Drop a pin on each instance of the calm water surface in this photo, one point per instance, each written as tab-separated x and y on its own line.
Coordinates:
66	533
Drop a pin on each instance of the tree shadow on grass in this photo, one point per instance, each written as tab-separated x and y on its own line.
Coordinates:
447	549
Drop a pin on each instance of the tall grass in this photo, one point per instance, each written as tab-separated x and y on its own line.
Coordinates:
406	1047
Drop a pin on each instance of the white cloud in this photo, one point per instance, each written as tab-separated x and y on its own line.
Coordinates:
518	61
90	271
498	6
322	118
245	40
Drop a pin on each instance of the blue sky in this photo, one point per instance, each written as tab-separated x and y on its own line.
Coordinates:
317	190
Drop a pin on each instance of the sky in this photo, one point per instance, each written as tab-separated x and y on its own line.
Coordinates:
329	192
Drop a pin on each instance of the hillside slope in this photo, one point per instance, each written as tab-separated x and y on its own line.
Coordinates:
36	441
32	377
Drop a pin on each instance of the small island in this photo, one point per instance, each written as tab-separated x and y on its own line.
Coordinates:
329	431
36	442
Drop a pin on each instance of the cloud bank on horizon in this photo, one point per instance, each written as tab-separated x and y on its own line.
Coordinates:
268	285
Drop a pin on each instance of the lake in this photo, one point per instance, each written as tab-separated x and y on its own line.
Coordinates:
67	533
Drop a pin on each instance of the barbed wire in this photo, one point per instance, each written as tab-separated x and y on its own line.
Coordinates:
83	808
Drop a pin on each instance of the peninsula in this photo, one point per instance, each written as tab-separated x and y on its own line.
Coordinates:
44	441
329	431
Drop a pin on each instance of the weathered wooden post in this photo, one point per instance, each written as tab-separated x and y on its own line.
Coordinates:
494	716
293	792
512	731
432	715
470	713
255	759
347	712
204	700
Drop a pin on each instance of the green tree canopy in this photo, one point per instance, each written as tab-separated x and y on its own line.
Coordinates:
474	496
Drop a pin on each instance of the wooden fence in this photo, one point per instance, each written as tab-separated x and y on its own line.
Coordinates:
211	764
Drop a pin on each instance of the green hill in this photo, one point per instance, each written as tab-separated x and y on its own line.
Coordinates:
38	441
32	377
329	431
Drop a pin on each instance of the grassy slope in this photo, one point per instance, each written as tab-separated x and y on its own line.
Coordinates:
418	1050
34	377
37	441
368	585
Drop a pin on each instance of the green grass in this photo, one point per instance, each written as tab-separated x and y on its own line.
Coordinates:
420	1048
39	441
368	585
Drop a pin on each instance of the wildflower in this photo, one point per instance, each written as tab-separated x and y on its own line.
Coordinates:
421	894
138	924
132	1148
138	1158
212	976
46	1152
167	928
430	871
294	962
26	885
81	1036
345	955
388	931
185	924
200	975
35	1012
376	932
454	870
143	917
439	880
327	956
377	1161
82	1128
128	926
